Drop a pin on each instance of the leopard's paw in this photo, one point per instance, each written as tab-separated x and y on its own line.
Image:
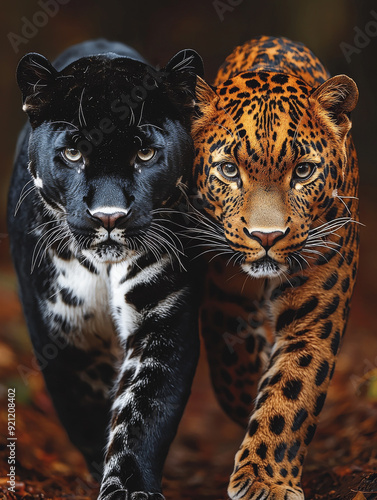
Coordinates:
251	489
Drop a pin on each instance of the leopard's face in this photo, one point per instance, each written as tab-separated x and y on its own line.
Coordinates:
269	161
109	147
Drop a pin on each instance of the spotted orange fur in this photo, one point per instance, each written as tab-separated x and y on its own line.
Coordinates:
277	178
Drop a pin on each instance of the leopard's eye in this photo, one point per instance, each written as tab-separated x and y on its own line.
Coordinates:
303	171
229	170
72	154
146	154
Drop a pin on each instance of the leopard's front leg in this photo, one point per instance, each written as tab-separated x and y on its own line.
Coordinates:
309	328
154	380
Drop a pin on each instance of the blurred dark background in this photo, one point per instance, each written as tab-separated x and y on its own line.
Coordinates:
343	34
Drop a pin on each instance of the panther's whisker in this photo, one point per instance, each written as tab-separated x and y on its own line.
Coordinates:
39	244
141	114
44	245
167	245
172	242
23	195
152	247
51	240
82	120
168	233
66	123
151	125
43	224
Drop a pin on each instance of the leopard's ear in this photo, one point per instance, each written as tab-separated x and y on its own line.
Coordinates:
205	93
181	74
206	100
36	78
338	97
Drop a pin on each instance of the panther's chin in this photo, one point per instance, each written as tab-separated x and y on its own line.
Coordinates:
109	253
264	268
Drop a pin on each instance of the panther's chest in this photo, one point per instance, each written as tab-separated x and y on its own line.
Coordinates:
85	305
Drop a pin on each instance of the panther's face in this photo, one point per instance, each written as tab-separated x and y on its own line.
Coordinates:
109	146
270	153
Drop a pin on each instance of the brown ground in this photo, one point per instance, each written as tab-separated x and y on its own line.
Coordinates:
342	462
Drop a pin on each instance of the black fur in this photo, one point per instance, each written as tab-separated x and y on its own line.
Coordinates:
110	309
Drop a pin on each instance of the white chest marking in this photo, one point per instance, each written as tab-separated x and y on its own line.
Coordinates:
91	319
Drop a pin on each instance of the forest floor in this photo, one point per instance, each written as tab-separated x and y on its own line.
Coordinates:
341	464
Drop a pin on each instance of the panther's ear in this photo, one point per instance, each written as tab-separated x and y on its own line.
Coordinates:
36	78
182	71
186	60
337	97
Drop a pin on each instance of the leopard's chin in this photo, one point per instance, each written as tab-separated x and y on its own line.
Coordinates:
264	268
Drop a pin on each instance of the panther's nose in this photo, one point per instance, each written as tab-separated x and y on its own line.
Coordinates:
110	218
266	239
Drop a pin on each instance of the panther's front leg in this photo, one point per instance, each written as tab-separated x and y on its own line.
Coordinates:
309	328
154	379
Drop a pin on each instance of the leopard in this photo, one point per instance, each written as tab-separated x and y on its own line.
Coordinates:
276	219
106	291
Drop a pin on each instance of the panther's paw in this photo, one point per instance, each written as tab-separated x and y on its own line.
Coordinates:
141	495
249	489
122	494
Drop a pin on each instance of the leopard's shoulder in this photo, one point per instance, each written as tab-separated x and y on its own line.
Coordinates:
281	55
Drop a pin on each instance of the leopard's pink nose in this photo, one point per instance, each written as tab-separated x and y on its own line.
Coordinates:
266	239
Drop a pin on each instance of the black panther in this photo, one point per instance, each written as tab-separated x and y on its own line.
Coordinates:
100	170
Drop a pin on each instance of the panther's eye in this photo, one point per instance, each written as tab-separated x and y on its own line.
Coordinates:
72	154
146	154
229	170
303	171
